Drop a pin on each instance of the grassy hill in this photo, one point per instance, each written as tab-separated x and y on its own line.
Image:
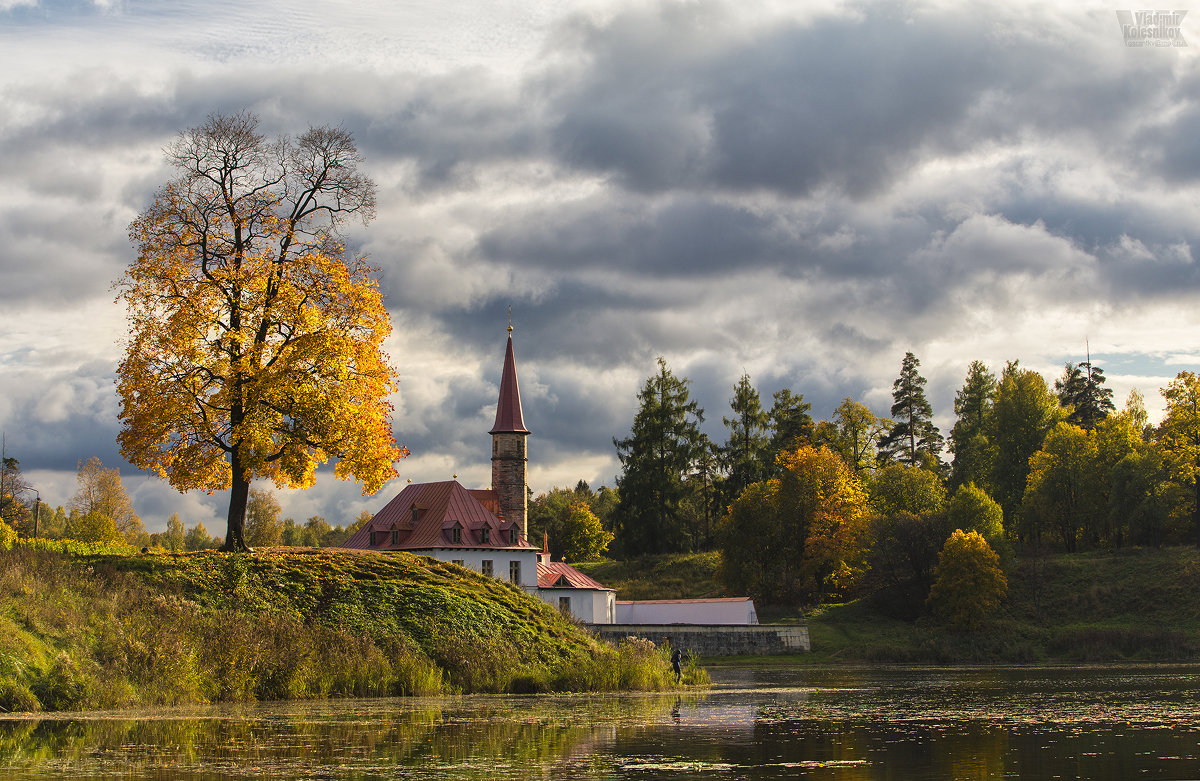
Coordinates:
82	627
1134	604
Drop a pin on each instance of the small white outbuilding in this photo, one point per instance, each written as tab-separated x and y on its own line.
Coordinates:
731	611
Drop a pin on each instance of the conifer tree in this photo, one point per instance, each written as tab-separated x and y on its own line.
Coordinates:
657	457
1080	390
745	451
913	439
968	439
791	426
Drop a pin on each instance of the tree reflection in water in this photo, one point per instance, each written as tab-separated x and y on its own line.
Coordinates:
836	724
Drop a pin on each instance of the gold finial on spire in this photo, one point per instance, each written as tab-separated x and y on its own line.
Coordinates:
510	318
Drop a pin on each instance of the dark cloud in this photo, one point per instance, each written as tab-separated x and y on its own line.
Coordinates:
802	197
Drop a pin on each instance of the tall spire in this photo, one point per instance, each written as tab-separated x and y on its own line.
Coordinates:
509	419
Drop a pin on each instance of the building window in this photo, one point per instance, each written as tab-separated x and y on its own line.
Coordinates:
485	567
564	605
395	536
459	562
456	534
485	535
514	572
512	536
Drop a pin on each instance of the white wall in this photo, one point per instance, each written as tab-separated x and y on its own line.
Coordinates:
587	605
473	558
688	611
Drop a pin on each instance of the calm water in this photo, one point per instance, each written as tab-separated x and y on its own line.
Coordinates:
1043	723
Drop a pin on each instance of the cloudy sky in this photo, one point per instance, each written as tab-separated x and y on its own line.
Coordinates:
802	192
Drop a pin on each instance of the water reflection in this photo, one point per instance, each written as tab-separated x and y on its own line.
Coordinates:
754	724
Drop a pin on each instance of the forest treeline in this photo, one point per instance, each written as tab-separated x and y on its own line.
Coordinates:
102	512
806	510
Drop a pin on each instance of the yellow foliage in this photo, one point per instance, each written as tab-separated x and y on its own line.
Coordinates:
255	342
968	583
800	536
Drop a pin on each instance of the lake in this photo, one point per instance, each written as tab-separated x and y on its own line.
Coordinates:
843	723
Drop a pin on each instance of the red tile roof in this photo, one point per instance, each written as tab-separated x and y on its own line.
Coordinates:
559	574
424	515
508	410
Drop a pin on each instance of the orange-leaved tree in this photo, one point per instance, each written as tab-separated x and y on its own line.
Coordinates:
255	345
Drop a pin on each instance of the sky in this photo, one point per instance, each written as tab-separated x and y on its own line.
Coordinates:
800	192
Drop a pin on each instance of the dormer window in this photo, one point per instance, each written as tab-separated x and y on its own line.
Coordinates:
513	536
395	536
485	535
456	534
414	514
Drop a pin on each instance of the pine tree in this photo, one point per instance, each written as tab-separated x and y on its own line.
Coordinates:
657	457
968	439
791	426
913	439
1080	390
745	451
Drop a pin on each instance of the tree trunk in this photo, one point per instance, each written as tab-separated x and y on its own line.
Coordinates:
235	540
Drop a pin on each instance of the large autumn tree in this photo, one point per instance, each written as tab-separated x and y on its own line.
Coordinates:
255	339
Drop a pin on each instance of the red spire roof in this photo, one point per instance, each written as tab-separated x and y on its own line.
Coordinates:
508	410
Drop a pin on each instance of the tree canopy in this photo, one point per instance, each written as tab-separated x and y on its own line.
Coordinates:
799	536
657	457
744	453
1080	390
255	346
913	439
968	439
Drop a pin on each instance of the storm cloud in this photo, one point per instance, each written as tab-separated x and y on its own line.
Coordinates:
802	195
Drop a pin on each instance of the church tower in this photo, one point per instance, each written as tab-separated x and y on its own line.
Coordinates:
509	459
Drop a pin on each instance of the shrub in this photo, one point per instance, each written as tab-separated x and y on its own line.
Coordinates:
968	583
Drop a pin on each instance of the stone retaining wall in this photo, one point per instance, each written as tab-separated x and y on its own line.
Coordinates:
715	640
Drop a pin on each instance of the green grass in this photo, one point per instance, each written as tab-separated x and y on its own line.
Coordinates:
1129	605
667	576
82	627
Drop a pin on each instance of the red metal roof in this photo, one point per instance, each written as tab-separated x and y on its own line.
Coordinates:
508	409
559	574
425	515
